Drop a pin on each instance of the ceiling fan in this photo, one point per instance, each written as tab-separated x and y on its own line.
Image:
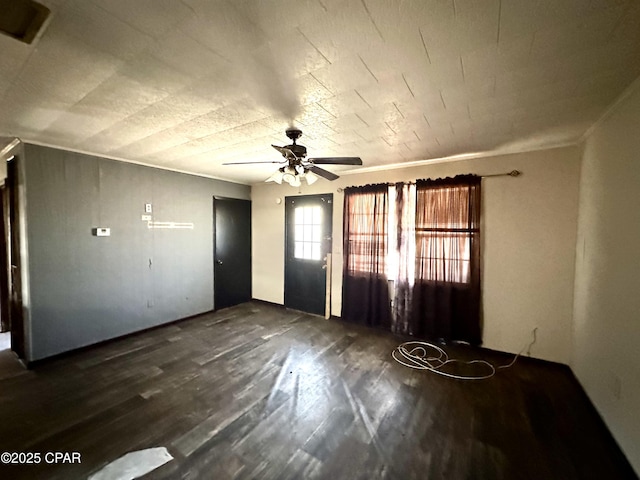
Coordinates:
298	166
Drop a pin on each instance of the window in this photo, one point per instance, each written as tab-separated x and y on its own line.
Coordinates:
428	230
365	289
366	227
308	233
445	229
426	238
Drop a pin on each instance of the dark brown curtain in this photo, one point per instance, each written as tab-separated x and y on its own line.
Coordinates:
446	293
365	290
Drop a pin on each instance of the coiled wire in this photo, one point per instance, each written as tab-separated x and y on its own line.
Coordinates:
427	356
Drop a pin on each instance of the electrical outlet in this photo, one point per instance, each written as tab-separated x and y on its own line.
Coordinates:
147	208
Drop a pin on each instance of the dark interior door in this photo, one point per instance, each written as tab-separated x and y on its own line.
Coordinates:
15	281
5	319
232	252
308	240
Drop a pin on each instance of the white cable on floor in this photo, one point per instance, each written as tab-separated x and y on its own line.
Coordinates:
414	355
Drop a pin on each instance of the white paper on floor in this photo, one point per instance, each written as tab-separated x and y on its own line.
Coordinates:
134	464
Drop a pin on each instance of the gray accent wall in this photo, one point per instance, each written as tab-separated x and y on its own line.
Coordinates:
85	289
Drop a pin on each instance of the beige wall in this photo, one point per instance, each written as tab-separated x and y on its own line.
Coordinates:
529	232
607	293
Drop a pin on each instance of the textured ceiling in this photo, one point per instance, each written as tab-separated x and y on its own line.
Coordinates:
190	84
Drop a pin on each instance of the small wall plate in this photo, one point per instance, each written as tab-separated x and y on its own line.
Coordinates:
101	232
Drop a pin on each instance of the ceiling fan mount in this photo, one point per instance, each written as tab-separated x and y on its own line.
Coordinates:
298	166
293	134
299	151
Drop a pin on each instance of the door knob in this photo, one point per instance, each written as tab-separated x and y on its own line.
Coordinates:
219	262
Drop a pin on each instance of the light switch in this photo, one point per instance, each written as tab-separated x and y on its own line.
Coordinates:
102	232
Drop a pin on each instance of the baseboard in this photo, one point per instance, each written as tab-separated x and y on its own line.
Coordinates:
279	305
43	361
605	432
266	302
539	361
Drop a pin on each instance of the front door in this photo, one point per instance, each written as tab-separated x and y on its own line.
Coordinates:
308	240
232	252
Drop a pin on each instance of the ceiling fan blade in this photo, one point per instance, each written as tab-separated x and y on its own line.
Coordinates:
251	163
286	153
323	173
336	160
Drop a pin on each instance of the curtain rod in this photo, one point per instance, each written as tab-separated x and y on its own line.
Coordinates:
512	173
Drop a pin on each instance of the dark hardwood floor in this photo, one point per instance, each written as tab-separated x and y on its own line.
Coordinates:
256	391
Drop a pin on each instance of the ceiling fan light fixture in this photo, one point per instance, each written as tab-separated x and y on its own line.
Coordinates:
298	166
276	177
290	175
291	180
310	177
